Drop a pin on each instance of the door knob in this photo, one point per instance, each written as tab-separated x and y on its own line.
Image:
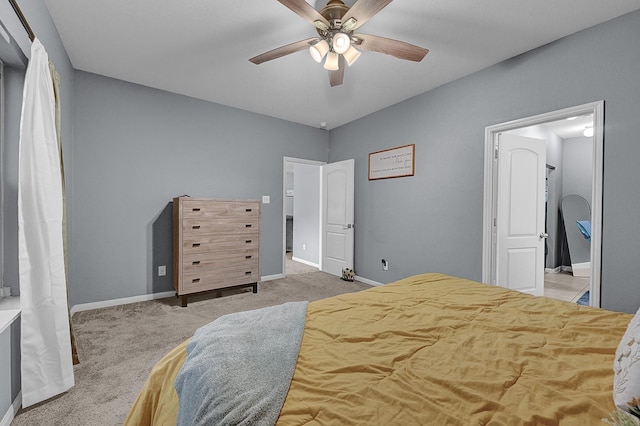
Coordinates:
543	235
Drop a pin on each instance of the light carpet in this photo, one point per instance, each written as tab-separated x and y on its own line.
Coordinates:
119	345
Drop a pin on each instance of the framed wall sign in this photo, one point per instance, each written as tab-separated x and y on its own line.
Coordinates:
392	163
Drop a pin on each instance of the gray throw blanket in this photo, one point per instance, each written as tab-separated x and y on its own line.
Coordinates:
239	367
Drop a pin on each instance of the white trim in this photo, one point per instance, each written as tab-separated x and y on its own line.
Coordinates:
306	262
9	311
491	133
368	281
271	277
124	301
2	127
143	298
12	410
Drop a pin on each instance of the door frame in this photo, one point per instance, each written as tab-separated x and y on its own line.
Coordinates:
490	181
285	163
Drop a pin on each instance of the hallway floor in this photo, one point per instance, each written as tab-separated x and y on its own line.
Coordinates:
293	267
564	286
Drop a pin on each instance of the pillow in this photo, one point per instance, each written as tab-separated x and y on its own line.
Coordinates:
626	368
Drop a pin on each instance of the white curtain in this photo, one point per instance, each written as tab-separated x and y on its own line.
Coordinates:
47	367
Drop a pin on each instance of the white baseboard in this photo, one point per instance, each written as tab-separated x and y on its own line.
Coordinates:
271	277
146	297
11	412
368	281
306	262
143	298
124	301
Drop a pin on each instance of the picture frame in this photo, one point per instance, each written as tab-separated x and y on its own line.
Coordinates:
392	162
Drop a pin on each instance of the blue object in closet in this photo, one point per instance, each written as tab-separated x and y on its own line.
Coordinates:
585	227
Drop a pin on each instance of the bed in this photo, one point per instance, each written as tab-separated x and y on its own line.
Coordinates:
434	349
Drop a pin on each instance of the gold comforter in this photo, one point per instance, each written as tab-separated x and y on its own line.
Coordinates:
434	349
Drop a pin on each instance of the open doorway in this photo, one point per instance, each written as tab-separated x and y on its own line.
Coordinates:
301	216
318	209
569	144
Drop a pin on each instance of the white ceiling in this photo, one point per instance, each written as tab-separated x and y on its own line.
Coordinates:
571	128
200	48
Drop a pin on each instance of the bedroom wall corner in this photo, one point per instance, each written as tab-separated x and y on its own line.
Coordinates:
432	222
137	148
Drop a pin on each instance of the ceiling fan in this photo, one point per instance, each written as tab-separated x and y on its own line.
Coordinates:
335	24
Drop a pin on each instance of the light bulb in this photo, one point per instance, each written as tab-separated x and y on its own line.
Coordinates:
318	50
331	63
351	55
341	43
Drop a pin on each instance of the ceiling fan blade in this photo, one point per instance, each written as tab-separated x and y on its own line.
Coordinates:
396	48
305	11
282	51
337	77
363	10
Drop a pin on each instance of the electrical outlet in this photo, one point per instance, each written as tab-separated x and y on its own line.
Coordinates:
304	246
162	271
266	199
385	265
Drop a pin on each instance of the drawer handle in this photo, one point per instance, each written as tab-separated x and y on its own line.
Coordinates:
247	257
195	245
248	226
195	262
247	241
195	227
248	210
248	273
196	209
195	280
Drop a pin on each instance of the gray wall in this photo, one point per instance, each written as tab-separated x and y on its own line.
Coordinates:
577	167
306	216
136	148
433	221
554	221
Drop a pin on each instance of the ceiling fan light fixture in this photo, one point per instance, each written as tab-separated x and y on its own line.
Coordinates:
318	50
331	63
320	25
349	24
351	55
341	43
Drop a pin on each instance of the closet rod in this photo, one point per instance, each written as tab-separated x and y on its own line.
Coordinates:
23	20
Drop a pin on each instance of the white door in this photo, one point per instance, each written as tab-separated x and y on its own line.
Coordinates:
520	233
337	217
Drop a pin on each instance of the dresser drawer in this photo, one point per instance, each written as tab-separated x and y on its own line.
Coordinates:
211	262
219	243
194	281
212	225
199	209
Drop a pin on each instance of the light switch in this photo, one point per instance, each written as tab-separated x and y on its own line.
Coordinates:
266	199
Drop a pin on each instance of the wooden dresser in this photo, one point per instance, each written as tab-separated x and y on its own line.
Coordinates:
216	245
